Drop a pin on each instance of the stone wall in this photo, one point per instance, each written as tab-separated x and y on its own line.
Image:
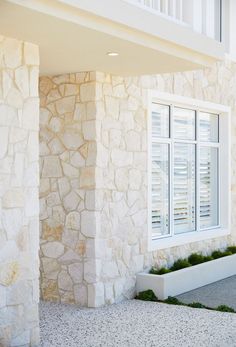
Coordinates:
118	196
68	130
19	236
122	180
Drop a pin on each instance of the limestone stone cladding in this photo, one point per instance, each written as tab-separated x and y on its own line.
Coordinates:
122	147
19	230
68	133
109	113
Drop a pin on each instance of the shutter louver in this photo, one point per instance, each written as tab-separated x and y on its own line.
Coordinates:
160	170
184	188
208	187
160	189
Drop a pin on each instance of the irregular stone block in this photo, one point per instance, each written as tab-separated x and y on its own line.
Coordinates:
72	139
51	167
3	141
12	52
9	273
65	105
64	281
71	201
88	223
76	272
52	249
13	198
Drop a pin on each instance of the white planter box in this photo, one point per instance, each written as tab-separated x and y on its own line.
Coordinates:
181	281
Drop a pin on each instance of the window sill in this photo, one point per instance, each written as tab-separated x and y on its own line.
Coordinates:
182	239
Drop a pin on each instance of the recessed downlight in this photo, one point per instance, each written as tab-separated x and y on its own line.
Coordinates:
112	54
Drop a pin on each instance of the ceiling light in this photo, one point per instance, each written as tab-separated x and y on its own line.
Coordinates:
112	54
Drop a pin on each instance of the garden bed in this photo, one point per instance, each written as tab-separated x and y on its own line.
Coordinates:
177	282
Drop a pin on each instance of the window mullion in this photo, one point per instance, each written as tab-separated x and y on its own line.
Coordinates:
197	172
171	174
219	165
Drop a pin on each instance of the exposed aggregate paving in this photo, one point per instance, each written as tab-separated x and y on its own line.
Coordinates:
135	324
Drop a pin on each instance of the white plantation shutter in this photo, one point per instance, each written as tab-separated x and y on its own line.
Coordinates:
160	170
184	188
184	170
185	173
160	122
205	189
160	189
209	127
184	124
208	187
209	134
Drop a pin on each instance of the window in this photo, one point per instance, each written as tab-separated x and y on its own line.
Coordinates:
186	182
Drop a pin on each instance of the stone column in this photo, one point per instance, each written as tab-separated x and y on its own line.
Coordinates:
121	186
68	216
19	241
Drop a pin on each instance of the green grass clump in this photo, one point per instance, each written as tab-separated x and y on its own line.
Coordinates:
154	271
147	295
208	258
219	254
225	308
226	253
231	249
195	259
216	254
196	305
180	264
172	301
161	271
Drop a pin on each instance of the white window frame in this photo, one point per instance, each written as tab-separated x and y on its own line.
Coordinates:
224	193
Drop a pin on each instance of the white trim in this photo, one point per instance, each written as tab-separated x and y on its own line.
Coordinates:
161	12
224	146
197	173
210	18
171	170
197	17
183	101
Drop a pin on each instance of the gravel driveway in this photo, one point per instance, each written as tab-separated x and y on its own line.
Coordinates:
135	324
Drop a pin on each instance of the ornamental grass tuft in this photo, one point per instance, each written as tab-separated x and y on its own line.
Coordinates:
196	305
225	308
208	258
180	264
219	254
232	249
147	295
195	259
172	301
161	271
